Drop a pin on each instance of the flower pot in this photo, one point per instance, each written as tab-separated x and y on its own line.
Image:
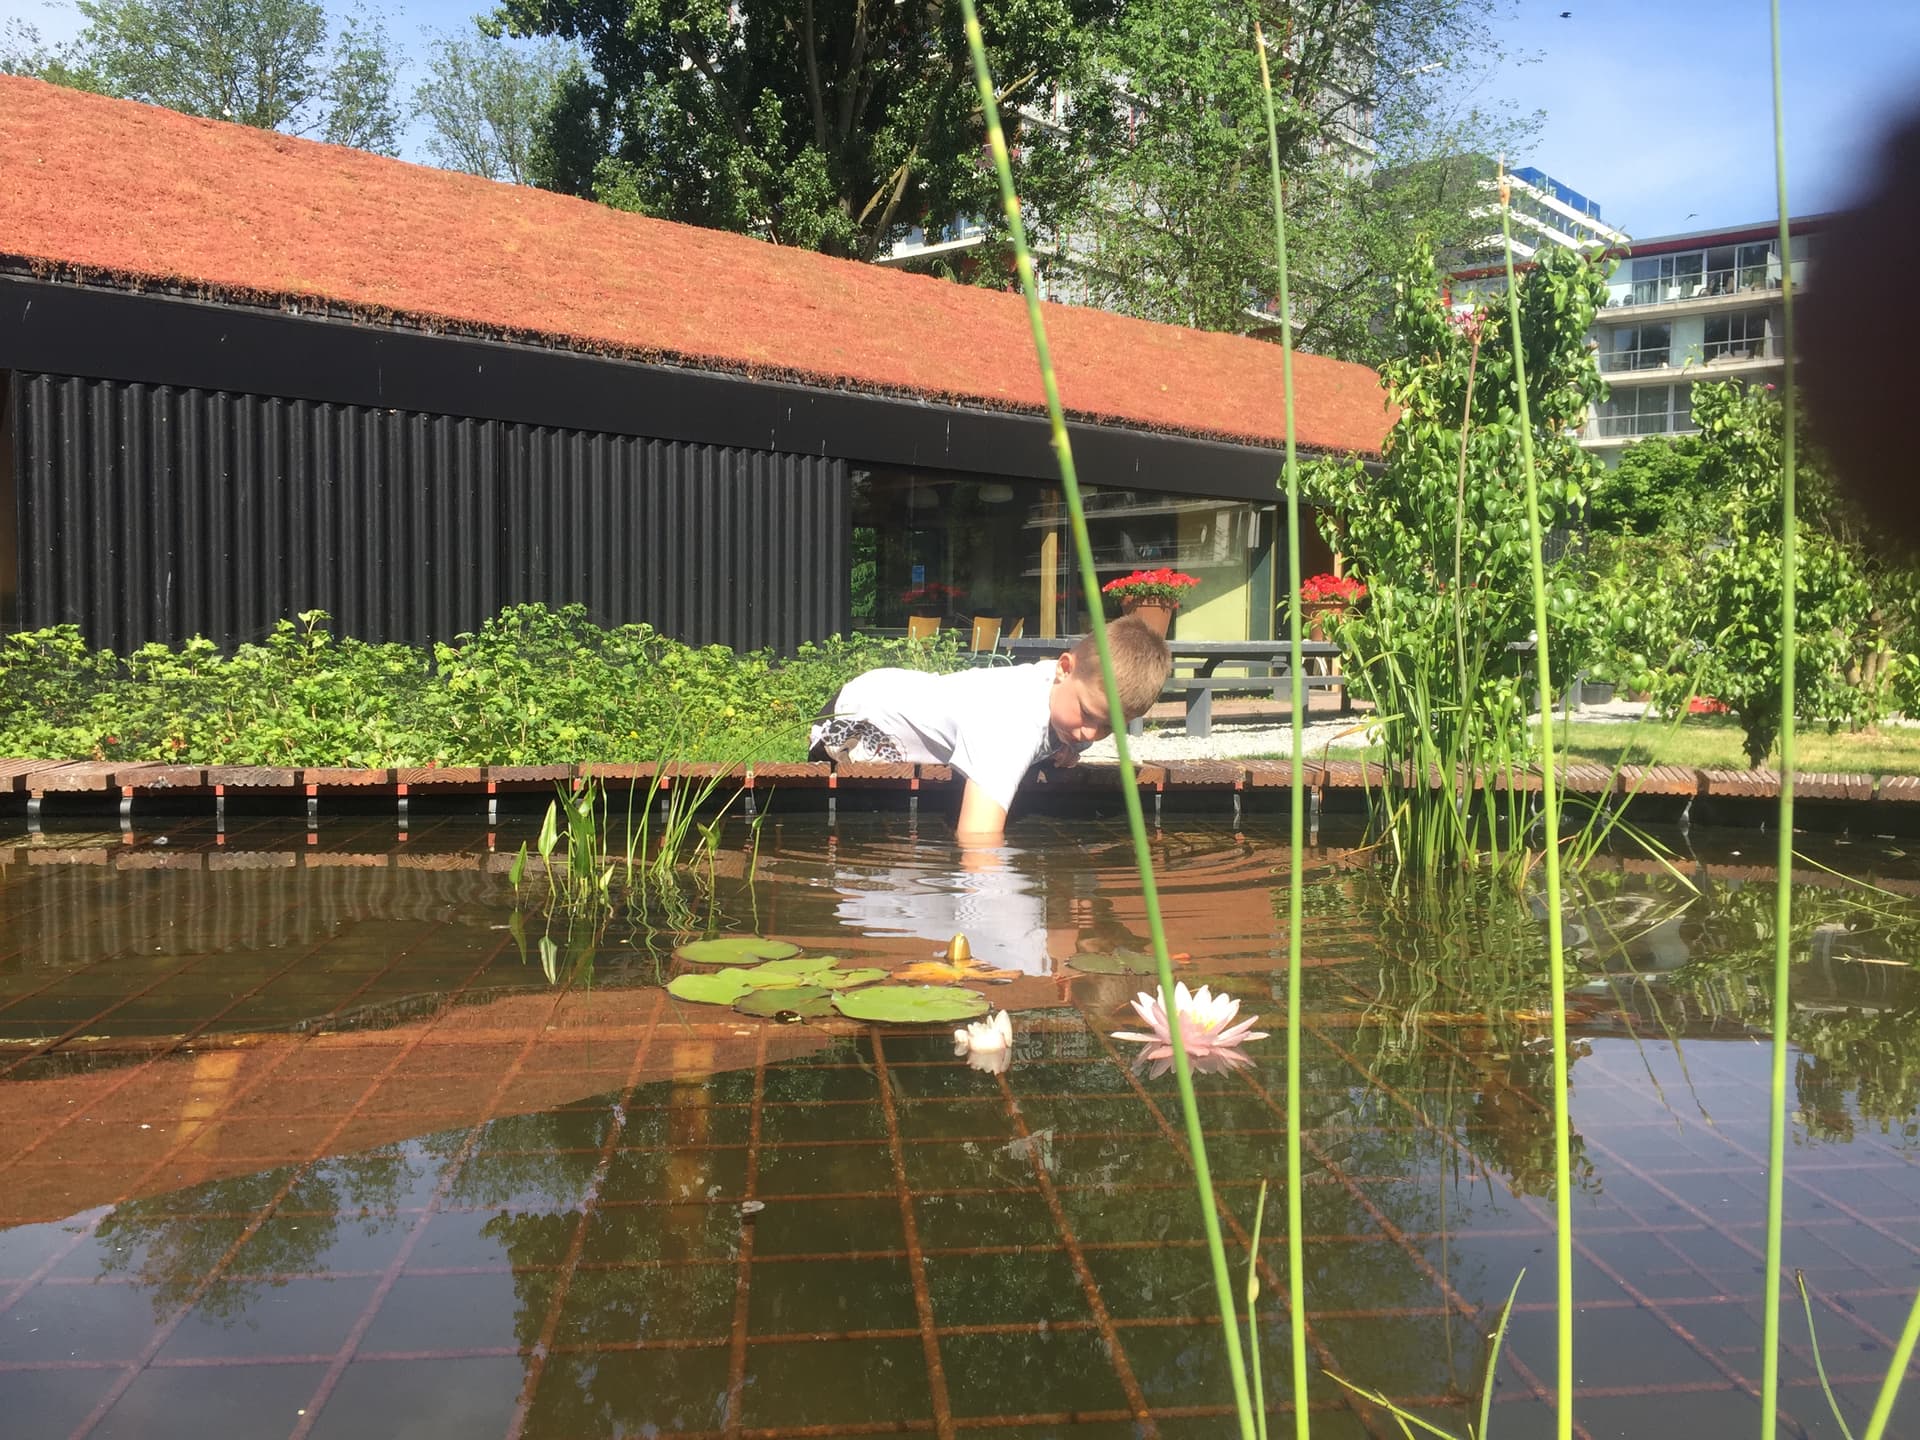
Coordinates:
1596	692
1156	615
1314	613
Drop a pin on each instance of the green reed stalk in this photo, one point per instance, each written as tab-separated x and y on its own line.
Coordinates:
1550	804
1253	1316
1783	886
1297	838
1129	787
1890	1387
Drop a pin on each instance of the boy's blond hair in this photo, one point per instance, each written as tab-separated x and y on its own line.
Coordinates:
1141	663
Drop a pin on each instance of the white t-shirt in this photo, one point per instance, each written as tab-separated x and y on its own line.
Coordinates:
992	723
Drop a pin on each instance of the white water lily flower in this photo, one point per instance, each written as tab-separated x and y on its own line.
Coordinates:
984	1036
987	1044
1206	1024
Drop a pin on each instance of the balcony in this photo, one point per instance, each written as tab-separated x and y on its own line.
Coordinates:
1653	358
1703	283
1632	427
1729	352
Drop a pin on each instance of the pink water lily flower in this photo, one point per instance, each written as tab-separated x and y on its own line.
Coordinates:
1206	1024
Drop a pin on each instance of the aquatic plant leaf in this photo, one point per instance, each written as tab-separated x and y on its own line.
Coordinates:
911	1004
803	1001
951	972
708	988
799	965
765	977
1119	962
735	950
847	979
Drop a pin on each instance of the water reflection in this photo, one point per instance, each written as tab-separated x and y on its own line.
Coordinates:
598	1214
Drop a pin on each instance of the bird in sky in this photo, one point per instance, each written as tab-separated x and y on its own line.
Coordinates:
1566	14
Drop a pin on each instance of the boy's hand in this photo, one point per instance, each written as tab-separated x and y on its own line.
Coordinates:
1066	757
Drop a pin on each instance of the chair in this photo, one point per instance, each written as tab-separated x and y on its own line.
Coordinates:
922	627
986	632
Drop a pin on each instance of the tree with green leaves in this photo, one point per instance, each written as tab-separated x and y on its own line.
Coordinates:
829	124
1439	532
264	63
487	99
359	87
1726	593
1381	161
1655	486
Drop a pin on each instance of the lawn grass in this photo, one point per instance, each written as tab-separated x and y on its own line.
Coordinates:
1708	742
1713	743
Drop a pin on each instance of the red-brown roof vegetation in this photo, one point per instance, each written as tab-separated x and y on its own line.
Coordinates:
109	190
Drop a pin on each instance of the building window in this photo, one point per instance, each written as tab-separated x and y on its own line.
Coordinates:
1739	336
1637	347
1647	410
958	547
1669	277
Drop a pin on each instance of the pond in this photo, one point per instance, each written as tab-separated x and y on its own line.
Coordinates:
307	1133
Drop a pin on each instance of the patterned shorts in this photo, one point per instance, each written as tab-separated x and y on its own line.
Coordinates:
840	740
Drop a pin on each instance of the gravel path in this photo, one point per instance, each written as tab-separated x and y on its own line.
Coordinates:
1245	740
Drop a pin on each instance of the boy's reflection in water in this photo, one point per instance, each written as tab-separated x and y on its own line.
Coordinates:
1016	913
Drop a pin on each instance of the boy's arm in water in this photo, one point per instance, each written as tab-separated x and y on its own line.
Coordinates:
983	820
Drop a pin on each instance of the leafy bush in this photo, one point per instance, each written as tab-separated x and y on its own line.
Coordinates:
1439	534
533	685
1655	487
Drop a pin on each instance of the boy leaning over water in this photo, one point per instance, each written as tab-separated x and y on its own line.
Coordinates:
992	724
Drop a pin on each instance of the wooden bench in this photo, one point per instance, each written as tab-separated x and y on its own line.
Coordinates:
1203	657
1199	690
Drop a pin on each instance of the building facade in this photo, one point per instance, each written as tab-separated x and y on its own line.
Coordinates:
243	376
1683	309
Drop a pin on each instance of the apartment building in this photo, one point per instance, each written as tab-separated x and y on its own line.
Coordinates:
1682	309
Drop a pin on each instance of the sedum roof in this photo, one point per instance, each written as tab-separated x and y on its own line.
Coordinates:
113	191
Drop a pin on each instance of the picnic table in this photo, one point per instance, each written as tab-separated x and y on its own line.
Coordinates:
1195	663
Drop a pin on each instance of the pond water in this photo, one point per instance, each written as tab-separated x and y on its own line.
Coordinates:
307	1133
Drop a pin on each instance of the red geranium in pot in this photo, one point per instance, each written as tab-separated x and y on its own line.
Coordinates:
1152	595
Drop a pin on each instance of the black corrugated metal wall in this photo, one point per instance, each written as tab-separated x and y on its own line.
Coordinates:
150	512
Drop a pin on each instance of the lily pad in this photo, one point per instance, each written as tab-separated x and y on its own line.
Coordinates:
1119	962
911	1004
735	950
796	1000
710	989
763	977
847	979
799	965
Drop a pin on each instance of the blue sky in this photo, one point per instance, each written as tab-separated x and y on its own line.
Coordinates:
1662	110
1658	109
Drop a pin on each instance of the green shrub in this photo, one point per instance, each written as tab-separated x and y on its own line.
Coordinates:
533	685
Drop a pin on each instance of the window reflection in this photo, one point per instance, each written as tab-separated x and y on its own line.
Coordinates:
930	544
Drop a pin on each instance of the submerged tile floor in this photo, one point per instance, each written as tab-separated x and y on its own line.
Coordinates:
573	1212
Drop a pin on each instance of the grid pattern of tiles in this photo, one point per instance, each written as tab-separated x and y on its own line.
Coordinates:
875	1239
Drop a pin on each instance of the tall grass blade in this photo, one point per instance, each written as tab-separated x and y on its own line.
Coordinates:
1493	1356
1297	835
1897	1372
1550	805
1129	788
1253	1318
1405	1419
1783	886
1820	1365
